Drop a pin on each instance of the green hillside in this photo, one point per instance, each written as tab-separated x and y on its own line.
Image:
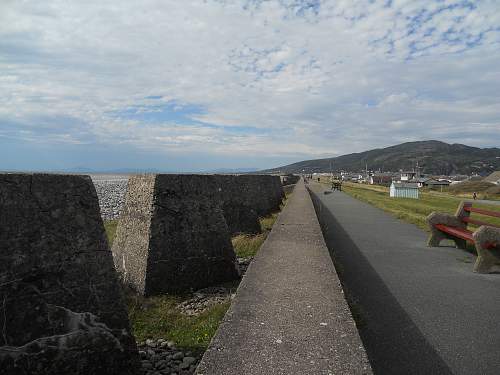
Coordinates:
434	157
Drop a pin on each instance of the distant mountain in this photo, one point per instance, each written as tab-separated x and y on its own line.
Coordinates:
434	157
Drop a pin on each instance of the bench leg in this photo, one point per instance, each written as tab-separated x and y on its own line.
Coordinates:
485	257
460	243
435	238
485	260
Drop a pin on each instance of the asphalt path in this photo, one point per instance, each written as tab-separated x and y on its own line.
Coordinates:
484	201
420	310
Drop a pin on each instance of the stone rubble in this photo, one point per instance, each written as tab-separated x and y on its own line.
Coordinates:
243	264
204	298
160	357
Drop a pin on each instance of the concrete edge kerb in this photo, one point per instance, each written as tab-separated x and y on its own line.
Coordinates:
209	366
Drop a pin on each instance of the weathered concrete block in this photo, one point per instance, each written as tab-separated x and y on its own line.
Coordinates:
239	212
246	197
61	307
172	235
240	218
273	183
289	179
262	192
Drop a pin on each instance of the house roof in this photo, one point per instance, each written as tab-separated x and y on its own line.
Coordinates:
494	177
405	185
437	182
421	179
386	178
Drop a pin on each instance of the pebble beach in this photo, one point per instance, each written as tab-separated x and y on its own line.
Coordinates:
111	191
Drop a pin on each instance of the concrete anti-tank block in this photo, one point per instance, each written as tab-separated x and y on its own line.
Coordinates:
262	192
239	212
61	306
245	198
289	179
172	235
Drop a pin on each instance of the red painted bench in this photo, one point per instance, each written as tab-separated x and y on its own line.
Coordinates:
486	238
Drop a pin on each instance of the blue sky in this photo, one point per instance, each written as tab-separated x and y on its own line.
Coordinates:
196	85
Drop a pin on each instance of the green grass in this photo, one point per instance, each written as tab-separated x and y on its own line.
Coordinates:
484	190
411	210
246	245
266	223
110	227
158	317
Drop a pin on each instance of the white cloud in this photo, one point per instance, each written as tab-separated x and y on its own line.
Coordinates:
316	77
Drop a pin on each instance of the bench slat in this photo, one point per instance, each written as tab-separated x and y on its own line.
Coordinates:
463	234
457	232
478	222
482	211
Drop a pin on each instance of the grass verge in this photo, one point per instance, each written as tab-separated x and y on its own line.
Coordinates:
158	317
110	227
413	211
246	245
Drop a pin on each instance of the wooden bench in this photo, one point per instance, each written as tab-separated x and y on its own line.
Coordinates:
337	185
486	237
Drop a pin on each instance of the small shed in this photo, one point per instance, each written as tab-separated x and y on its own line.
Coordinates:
404	190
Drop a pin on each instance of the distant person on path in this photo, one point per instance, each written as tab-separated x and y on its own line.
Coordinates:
474	195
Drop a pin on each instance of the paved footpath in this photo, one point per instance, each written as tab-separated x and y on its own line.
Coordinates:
289	315
422	310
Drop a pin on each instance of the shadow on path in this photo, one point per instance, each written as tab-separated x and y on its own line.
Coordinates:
393	342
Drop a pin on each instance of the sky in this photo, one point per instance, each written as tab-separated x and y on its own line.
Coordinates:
196	85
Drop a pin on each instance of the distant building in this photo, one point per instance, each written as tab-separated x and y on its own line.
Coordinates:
436	183
380	179
420	181
411	175
429	182
407	176
494	178
354	177
403	190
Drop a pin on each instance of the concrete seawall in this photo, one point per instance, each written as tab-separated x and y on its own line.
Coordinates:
289	315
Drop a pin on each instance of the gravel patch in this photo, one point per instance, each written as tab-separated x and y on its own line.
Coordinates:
203	299
111	193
